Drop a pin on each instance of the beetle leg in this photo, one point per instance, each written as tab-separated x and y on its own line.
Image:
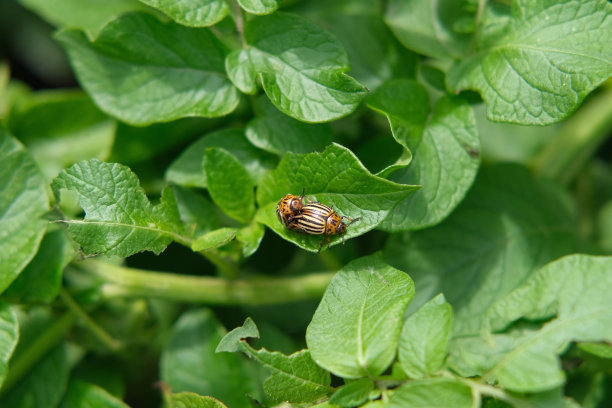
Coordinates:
321	244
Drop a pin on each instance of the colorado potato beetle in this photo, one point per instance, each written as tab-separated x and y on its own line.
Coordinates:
316	218
288	207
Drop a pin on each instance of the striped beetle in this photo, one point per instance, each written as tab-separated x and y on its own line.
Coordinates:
288	207
317	218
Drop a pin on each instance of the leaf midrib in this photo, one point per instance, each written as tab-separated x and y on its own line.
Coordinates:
177	237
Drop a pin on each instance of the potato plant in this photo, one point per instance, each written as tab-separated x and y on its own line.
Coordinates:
144	146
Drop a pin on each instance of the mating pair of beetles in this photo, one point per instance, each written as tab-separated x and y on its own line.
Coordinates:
313	218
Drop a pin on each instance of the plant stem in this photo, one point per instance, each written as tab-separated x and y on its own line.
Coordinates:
122	281
45	341
103	336
581	135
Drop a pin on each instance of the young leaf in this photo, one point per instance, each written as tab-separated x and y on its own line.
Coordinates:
576	289
41	280
189	358
193	13
539	68
428	27
143	71
9	332
229	184
507	226
278	133
82	394
301	67
353	394
445	153
259	6
193	400
231	342
424	339
336	178
295	378
355	330
213	239
435	392
119	219
23	202
187	169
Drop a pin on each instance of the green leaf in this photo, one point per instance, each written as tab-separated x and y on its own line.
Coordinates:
250	236
229	184
445	154
336	178
353	394
295	378
597	349
510	142
427	27
42	386
23	202
41	280
541	65
231	342
84	394
193	400
187	168
424	339
259	6
278	133
87	15
355	330
575	289
507	226
189	356
406	105
193	13
375	55
214	239
435	392
9	332
241	71
143	71
302	68
119	219
141	144
60	128
198	214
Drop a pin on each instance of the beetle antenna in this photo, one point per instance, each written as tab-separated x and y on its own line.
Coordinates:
352	220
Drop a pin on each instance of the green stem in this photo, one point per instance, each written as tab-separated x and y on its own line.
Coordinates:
44	342
122	281
102	335
480	389
227	267
579	138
